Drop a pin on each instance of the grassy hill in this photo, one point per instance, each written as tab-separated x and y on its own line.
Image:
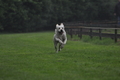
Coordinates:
31	56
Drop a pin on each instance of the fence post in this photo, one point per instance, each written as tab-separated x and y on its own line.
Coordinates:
71	34
115	35
91	33
80	33
100	35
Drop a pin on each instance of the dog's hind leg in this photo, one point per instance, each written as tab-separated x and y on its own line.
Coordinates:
61	46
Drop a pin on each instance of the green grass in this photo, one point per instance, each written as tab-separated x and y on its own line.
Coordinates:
31	56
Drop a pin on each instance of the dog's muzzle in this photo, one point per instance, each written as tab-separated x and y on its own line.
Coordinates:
61	32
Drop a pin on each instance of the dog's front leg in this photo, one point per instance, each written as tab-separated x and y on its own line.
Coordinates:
57	39
55	45
56	48
65	41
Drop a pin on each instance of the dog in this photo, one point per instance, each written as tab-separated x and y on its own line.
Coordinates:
59	37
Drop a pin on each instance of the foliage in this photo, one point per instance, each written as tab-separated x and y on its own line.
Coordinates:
35	15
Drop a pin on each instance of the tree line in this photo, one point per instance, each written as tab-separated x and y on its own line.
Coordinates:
36	15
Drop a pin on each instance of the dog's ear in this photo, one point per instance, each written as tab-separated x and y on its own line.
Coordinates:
57	25
62	24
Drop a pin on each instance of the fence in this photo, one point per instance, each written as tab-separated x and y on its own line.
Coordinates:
93	31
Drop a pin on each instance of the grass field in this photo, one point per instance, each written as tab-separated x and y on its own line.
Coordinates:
31	56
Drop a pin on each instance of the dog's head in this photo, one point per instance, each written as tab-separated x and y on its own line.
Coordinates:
60	28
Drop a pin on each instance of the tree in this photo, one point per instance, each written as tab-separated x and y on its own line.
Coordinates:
35	15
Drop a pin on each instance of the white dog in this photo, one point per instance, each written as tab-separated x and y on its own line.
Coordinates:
59	37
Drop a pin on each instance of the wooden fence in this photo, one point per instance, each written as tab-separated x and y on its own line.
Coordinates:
93	31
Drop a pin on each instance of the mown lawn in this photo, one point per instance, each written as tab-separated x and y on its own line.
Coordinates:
31	56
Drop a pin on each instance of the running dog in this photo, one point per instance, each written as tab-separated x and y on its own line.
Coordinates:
59	37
